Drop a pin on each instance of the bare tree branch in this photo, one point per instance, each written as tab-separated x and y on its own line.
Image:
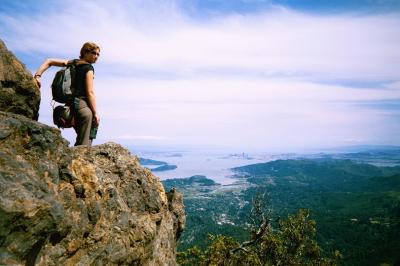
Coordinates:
259	220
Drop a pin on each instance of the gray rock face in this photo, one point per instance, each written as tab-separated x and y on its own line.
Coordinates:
79	206
19	93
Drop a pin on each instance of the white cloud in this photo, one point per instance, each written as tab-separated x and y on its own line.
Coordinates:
133	137
158	35
252	80
254	113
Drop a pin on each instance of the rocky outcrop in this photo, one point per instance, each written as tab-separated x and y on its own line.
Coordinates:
19	94
80	205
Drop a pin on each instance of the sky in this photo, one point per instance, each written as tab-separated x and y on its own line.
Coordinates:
243	75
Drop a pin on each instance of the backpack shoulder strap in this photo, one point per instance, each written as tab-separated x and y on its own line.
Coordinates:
80	62
74	62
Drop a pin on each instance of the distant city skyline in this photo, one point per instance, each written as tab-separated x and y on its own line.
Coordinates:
246	75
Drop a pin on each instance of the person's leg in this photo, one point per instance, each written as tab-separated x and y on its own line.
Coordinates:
83	125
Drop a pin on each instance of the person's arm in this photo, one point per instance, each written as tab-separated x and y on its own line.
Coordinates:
46	64
90	95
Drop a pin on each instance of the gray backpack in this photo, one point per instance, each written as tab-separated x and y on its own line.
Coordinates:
63	86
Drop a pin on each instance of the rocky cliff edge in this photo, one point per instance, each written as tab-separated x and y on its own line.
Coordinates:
75	206
19	94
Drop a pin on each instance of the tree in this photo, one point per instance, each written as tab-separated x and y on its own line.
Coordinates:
292	242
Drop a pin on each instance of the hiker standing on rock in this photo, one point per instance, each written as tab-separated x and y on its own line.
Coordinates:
84	102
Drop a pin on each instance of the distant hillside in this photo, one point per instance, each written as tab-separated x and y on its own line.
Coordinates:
320	174
315	169
196	180
144	162
193	186
163	166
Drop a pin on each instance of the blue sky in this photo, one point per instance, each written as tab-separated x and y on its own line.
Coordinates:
203	7
240	75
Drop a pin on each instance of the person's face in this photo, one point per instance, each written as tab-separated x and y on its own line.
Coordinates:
92	56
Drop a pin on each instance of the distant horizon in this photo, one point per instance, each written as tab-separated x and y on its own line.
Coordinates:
232	150
217	164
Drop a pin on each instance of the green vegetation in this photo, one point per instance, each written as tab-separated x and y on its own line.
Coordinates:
195	181
356	207
292	243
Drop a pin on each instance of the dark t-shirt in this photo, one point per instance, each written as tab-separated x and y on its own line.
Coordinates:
81	70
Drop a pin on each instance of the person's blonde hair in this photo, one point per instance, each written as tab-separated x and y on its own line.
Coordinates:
88	47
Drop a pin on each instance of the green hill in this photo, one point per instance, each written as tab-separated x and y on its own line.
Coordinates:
356	206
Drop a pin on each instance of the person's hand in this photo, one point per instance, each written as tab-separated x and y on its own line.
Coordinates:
97	119
37	80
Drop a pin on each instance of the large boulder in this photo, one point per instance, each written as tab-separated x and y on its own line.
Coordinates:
74	206
18	92
80	206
